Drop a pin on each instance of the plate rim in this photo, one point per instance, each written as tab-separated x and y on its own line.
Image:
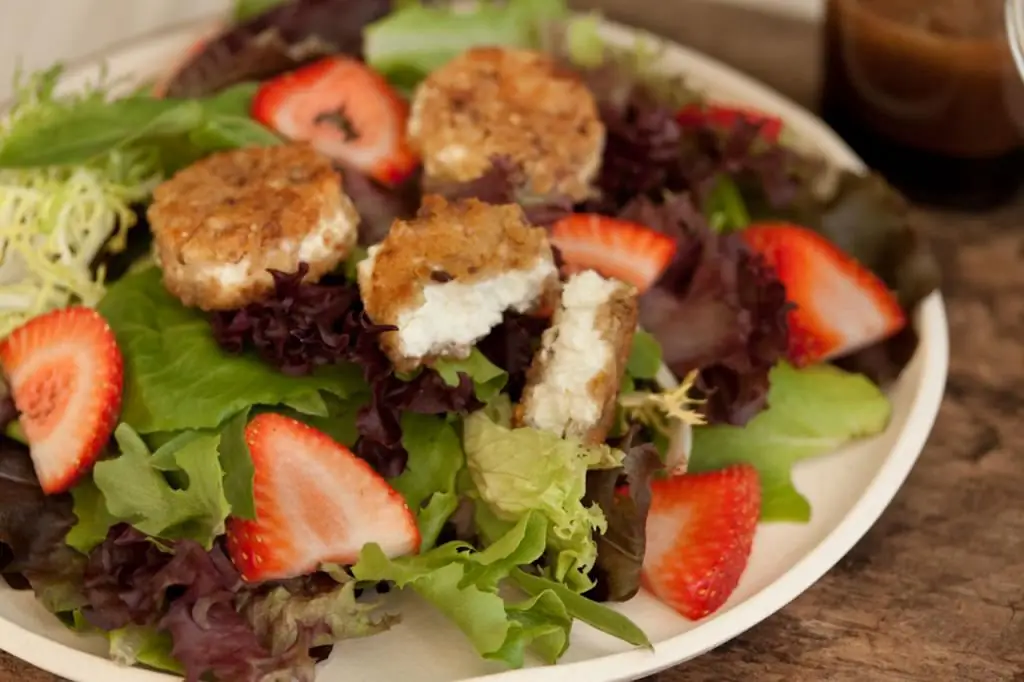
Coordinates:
76	664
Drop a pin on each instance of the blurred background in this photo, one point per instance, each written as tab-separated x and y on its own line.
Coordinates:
43	30
924	90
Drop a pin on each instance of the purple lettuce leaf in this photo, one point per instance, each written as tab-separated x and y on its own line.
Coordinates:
621	548
379	206
303	325
32	530
870	221
718	309
511	346
501	185
8	413
648	154
219	625
277	41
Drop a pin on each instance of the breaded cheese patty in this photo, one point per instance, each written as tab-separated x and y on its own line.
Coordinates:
517	104
574	381
446	277
219	224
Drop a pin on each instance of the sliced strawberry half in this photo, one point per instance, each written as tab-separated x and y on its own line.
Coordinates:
615	248
726	117
700	529
316	503
841	306
66	373
347	111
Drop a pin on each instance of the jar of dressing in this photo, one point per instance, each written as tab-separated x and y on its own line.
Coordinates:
926	91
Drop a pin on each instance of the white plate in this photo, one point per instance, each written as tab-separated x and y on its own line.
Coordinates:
847	489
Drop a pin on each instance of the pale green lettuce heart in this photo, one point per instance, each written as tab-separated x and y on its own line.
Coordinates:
811	412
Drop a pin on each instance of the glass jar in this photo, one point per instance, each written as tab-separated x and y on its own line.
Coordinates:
928	93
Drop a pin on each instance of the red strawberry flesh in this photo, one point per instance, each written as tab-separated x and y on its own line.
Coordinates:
700	530
840	306
725	118
316	503
626	251
347	111
65	372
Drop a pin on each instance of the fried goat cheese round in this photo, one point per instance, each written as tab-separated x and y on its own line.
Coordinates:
574	381
221	223
519	105
446	277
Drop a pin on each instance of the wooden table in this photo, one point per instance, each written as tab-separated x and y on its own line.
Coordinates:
935	591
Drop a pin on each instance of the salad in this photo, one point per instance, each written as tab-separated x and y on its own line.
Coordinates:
366	297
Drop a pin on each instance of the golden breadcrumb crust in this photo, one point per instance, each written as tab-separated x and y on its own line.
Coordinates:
518	104
463	241
251	206
616	320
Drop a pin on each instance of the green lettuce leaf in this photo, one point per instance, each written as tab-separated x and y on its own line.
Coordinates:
339	421
93	518
236	463
137	645
309	404
411	42
811	412
245	10
463	584
176	376
592	613
182	130
137	486
279	617
75	621
584	46
644	356
61	595
488	378
428	482
724	207
518	471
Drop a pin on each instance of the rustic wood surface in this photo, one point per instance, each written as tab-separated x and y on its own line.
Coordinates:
935	591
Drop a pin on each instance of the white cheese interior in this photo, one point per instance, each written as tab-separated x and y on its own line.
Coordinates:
320	244
228	275
323	242
575	352
364	269
456	315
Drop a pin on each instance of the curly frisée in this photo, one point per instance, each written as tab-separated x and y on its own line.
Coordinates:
225	477
55	221
73	170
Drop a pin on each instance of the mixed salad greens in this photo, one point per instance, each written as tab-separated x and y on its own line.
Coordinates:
782	307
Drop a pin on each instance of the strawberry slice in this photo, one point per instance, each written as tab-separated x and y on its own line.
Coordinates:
615	248
700	529
725	118
841	306
316	503
65	372
347	111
